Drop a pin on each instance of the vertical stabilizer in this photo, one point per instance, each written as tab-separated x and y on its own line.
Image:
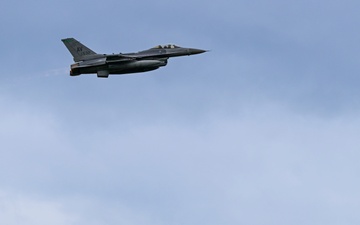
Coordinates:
77	50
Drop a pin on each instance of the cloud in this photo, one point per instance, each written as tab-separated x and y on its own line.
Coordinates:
262	158
18	209
24	208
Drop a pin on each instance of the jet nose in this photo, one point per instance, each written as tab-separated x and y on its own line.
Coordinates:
193	51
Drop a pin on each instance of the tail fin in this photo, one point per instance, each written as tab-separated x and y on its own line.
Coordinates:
77	50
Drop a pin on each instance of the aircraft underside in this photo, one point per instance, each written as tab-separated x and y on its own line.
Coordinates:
118	68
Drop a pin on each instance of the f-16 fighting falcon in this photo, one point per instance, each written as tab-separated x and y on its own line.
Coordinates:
87	61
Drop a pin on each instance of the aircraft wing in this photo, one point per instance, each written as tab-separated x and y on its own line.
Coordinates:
118	58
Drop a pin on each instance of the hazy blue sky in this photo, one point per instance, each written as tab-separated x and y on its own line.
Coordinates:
264	129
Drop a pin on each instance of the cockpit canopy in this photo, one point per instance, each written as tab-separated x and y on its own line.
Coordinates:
166	46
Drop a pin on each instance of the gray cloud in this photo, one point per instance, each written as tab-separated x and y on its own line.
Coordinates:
264	159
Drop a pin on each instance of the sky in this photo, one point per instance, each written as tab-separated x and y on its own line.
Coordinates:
263	129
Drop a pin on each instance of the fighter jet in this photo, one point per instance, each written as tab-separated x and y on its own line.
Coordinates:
88	62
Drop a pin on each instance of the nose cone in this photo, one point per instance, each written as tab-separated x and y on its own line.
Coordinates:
193	51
